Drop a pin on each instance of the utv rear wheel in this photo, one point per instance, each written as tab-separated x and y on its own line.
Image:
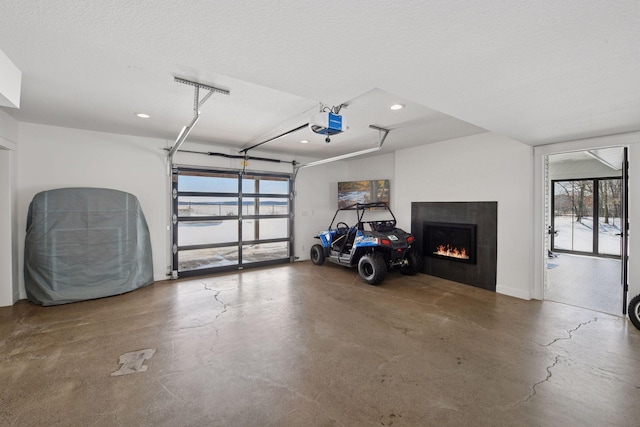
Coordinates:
372	269
634	311
317	254
413	264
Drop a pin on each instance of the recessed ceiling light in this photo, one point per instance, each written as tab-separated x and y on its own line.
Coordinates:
143	115
304	141
397	107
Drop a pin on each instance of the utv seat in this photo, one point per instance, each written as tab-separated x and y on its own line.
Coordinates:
351	237
340	240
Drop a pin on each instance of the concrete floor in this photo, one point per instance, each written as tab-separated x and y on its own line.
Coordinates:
585	281
302	345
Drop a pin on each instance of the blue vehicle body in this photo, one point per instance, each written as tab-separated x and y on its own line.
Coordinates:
373	245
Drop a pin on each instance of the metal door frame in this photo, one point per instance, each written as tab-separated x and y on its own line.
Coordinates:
175	219
624	241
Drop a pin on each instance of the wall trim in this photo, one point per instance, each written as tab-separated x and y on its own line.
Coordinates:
513	292
6	144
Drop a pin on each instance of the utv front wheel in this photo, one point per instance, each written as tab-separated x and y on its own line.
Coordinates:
372	269
317	254
634	311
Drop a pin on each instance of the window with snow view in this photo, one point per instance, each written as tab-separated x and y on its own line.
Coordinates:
587	215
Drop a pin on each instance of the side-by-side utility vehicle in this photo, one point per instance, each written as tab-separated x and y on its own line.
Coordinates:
374	245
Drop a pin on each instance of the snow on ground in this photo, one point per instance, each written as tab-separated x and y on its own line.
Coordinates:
578	236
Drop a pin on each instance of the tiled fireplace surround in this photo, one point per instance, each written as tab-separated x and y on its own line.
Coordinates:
482	274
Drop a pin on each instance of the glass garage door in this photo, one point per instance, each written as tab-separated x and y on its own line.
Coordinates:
229	220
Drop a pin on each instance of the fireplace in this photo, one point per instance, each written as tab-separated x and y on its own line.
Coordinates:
472	226
452	241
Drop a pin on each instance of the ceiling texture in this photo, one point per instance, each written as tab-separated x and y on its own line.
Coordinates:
539	72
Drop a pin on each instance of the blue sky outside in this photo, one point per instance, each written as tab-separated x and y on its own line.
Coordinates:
229	185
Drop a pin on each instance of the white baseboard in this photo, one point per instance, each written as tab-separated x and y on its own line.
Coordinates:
513	292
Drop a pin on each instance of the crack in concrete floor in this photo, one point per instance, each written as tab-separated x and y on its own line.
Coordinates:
534	390
570	332
548	377
219	301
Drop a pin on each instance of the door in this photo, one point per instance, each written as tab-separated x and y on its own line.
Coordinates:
624	234
586	210
573	219
227	220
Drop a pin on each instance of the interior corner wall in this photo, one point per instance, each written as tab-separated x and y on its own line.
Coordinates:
316	202
479	168
54	157
8	228
317	193
374	167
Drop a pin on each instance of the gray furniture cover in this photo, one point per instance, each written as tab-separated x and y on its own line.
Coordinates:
85	243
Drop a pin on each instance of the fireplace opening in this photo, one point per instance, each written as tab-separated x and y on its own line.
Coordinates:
452	241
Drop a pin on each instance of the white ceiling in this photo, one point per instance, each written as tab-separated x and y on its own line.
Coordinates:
537	71
612	157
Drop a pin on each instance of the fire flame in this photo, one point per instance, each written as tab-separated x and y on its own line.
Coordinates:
447	250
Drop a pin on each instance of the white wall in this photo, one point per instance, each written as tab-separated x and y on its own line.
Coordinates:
371	167
54	157
317	193
9	131
316	203
6	249
10	82
375	167
484	167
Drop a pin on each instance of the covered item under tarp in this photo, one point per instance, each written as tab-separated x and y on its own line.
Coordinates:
85	243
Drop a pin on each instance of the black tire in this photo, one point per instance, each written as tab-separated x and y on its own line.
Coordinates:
372	268
634	311
414	264
317	254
